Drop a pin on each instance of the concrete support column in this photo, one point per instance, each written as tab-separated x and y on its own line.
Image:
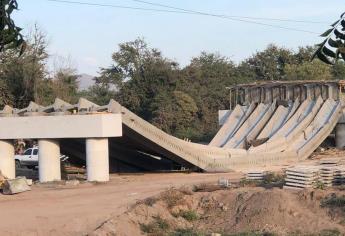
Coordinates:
268	95
49	160
97	159
340	135
7	163
288	93
309	92
330	92
247	97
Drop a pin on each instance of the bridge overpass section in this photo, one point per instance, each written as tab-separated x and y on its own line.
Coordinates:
111	137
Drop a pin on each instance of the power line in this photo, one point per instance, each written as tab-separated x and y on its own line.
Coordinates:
189	12
114	6
232	16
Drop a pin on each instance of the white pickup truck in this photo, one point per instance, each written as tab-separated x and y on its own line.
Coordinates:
30	158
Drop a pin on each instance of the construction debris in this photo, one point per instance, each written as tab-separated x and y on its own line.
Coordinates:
73	182
2	180
14	186
222	182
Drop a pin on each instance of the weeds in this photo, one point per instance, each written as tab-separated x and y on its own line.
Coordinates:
326	232
186	232
189	215
158	226
334	202
273	179
269	180
149	201
320	185
172	197
185	190
251	234
207	188
249	183
329	232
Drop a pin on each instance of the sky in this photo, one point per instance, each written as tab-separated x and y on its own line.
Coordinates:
88	35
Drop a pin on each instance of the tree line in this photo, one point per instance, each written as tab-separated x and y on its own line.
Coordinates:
181	100
184	100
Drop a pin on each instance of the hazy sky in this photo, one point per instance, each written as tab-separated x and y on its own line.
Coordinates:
89	34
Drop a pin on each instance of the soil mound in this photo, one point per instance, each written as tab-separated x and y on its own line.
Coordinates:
183	212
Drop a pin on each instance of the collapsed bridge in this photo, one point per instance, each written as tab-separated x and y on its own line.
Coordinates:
265	127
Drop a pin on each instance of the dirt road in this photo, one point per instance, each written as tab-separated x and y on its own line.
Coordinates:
78	210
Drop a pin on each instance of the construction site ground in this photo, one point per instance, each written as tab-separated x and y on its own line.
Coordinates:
58	209
78	210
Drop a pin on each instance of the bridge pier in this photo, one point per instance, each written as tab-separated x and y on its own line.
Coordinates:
7	163
97	159
49	160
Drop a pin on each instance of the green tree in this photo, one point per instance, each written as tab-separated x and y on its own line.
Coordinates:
175	113
23	75
338	70
315	70
65	85
138	75
269	64
205	79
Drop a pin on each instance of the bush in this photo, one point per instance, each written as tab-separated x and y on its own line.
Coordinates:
172	197
320	185
326	232
249	183
186	232
251	234
158	226
333	201
329	232
272	178
149	201
189	215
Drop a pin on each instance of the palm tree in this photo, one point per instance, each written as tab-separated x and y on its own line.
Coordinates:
10	36
332	49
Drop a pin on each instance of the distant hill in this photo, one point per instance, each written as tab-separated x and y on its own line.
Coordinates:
85	81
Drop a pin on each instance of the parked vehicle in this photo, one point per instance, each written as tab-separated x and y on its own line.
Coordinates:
30	158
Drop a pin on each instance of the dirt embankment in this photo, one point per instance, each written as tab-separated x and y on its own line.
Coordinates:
277	211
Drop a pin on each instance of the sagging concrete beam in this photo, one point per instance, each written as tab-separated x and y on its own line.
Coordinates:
7	163
97	159
49	160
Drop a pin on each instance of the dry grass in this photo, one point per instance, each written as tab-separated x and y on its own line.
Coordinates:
172	197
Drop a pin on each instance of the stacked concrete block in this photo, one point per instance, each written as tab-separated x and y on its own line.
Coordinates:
332	175
329	162
255	175
328	173
300	177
